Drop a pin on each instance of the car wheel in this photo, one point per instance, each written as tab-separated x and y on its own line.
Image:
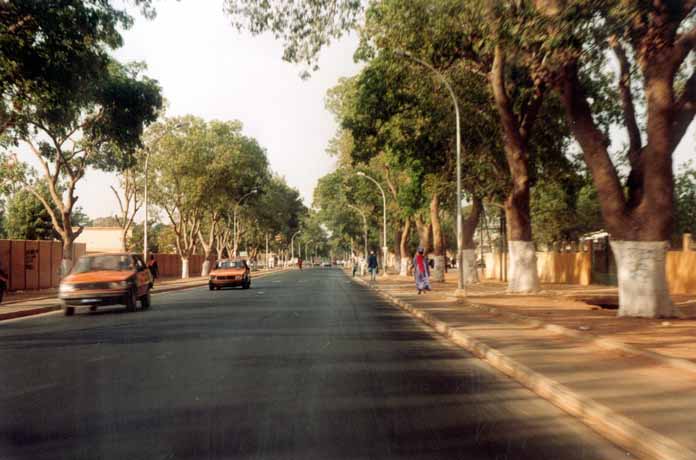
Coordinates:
145	301
131	300
93	308
69	311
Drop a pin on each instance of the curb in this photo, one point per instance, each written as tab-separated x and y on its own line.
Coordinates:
622	431
50	308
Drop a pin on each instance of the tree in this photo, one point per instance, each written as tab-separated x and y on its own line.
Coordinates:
50	49
129	198
27	218
651	41
178	165
99	127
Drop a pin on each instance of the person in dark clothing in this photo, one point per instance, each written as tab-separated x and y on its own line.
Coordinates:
154	268
372	265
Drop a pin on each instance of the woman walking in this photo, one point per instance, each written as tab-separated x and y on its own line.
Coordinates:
421	271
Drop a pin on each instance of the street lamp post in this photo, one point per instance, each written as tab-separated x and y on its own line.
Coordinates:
234	218
461	288
384	219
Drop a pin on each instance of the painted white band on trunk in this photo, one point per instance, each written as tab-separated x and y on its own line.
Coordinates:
522	274
438	272
184	268
469	266
643	290
404	267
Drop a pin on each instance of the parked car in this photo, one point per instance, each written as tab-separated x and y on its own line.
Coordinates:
230	273
106	279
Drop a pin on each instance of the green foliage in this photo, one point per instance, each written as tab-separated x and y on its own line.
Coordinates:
305	26
685	199
27	219
50	50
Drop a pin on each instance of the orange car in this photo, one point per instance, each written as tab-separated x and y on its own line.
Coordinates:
106	279
230	273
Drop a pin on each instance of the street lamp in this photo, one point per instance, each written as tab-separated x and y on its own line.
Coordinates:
234	218
461	288
384	219
147	158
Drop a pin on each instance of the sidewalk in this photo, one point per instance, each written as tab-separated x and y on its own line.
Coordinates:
30	303
632	380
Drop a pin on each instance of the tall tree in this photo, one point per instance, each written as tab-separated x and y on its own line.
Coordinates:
651	41
100	126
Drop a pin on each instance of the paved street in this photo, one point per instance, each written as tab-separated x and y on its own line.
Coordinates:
303	365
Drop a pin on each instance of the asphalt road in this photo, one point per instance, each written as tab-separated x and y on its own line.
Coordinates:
305	365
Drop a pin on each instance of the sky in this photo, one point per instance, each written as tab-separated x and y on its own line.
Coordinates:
208	69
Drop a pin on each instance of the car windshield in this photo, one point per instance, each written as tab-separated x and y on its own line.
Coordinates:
97	263
230	264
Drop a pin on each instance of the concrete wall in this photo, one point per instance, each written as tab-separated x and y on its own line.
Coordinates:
32	265
102	239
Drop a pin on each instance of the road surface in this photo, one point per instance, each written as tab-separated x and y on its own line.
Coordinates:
305	365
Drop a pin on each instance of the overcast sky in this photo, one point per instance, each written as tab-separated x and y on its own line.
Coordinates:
208	69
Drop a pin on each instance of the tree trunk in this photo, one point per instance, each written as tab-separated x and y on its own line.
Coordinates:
438	272
468	244
67	261
523	272
184	267
403	248
397	249
640	227
124	236
423	230
643	290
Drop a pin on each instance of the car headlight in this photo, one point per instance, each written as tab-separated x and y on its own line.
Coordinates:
118	285
64	287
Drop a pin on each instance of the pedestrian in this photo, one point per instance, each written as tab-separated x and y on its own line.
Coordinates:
421	271
372	265
299	262
154	268
355	265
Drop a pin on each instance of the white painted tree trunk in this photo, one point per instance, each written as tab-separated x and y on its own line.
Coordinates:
205	270
65	267
643	290
523	276
403	269
469	266
438	272
184	267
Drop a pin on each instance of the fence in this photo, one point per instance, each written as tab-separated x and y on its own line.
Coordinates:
170	264
34	265
577	268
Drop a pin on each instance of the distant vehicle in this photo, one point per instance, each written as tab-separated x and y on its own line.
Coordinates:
326	264
230	273
106	279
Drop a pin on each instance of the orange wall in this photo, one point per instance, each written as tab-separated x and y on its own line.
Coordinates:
565	267
681	272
